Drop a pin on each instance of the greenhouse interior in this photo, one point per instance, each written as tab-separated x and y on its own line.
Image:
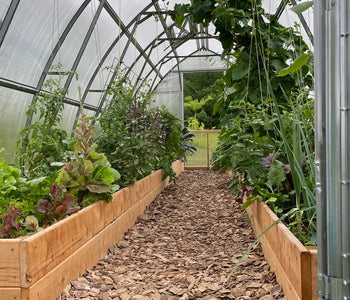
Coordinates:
174	149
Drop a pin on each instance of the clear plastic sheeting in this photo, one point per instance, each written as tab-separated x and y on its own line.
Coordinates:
12	103
169	94
93	38
288	18
4	4
202	61
29	41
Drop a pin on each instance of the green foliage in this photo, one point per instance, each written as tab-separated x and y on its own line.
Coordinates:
138	139
201	85
194	105
88	175
194	124
276	175
131	132
254	40
187	142
201	92
16	191
295	66
273	160
59	205
10	226
301	7
174	148
42	142
9	177
246	138
265	107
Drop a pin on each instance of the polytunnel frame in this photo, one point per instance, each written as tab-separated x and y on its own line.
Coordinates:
331	115
124	31
170	36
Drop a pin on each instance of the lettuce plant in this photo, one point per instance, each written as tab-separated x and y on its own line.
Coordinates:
10	224
58	206
9	177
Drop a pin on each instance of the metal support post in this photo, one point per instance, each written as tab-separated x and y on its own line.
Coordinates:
332	63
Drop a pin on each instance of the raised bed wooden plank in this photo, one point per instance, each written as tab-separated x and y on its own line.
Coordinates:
305	275
285	245
282	277
289	258
144	185
10	293
313	256
10	273
52	284
44	250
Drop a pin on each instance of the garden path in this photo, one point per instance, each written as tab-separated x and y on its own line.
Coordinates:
183	247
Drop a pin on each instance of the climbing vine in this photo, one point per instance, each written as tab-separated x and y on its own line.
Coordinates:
266	106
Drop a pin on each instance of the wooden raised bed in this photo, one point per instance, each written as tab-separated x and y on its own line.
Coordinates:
295	265
41	265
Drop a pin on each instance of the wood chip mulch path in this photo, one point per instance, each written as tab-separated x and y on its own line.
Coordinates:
183	247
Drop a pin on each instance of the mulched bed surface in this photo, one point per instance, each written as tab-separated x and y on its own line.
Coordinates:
183	247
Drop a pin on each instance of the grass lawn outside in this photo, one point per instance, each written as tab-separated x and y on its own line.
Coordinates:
199	158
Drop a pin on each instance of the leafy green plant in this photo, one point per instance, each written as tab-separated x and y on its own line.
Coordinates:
131	133
177	143
194	124
43	142
11	226
201	93
9	177
88	175
58	206
138	139
15	190
265	107
18	199
187	140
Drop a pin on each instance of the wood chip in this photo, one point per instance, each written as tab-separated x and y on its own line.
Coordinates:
183	247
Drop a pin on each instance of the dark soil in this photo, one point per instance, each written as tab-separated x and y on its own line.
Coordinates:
183	247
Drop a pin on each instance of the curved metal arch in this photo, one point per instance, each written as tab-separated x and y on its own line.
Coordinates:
118	21
115	73
177	65
111	11
146	49
8	19
167	30
126	31
84	45
137	20
183	40
162	60
56	49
